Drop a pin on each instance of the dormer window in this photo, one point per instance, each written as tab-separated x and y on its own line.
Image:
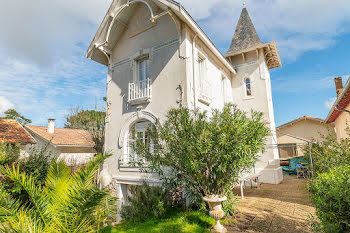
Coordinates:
248	87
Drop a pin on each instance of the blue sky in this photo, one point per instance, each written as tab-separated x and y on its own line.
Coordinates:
44	72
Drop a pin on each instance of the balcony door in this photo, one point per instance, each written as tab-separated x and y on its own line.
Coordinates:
143	71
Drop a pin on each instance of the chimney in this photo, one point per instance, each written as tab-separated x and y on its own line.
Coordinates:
51	126
338	85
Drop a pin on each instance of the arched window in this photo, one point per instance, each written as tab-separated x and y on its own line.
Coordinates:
138	131
248	87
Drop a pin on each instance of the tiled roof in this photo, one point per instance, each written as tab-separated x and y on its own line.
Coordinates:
63	136
300	119
342	101
245	34
12	132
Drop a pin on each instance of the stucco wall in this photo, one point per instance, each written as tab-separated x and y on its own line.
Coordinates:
167	72
173	62
342	123
306	129
253	66
71	155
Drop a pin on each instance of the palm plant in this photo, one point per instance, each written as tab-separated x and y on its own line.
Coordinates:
65	203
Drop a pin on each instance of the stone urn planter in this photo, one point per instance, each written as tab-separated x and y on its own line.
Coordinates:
216	211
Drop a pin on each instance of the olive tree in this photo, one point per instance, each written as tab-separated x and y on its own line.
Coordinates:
205	154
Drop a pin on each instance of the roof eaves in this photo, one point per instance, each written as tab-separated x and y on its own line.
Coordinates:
300	119
28	134
345	89
205	38
189	19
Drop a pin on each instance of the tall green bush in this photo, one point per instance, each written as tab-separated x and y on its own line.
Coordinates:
329	153
331	197
205	154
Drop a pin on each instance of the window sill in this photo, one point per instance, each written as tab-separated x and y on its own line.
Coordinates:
248	97
204	100
145	100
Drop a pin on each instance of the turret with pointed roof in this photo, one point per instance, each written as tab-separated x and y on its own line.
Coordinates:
246	39
245	36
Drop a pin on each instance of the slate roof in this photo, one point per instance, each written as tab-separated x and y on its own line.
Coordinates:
245	35
12	132
63	136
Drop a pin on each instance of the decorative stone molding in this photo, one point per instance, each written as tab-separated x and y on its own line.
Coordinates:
136	116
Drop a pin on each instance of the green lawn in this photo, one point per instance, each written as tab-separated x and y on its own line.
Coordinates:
196	222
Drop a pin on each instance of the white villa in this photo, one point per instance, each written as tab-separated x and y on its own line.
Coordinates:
159	58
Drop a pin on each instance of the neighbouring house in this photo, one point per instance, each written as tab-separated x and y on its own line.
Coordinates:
293	136
339	114
159	58
13	133
74	146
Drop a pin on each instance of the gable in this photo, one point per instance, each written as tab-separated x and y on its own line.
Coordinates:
307	129
118	16
141	33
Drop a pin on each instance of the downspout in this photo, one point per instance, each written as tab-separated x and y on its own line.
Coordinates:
193	71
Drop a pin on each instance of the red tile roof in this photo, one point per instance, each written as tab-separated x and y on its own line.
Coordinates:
12	132
63	136
341	102
299	119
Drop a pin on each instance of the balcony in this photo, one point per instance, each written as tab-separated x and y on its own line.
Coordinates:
140	92
205	94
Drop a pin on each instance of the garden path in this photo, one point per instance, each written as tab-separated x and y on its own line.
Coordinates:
274	208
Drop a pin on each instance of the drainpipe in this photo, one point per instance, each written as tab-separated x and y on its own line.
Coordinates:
193	70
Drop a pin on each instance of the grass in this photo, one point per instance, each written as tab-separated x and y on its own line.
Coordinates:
175	222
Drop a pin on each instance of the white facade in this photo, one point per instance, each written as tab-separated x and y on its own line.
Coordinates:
184	68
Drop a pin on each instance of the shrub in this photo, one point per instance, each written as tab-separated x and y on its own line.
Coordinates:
9	154
145	202
331	197
204	154
37	164
66	203
229	206
329	153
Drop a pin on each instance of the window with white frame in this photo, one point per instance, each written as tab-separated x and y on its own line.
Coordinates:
139	131
204	86
248	87
143	69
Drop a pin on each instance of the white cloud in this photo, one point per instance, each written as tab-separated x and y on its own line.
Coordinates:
329	103
43	69
297	84
5	104
297	26
37	31
49	93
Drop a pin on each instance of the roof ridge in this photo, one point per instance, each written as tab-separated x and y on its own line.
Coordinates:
300	118
56	127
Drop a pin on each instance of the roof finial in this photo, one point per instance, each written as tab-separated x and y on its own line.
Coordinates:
244	4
